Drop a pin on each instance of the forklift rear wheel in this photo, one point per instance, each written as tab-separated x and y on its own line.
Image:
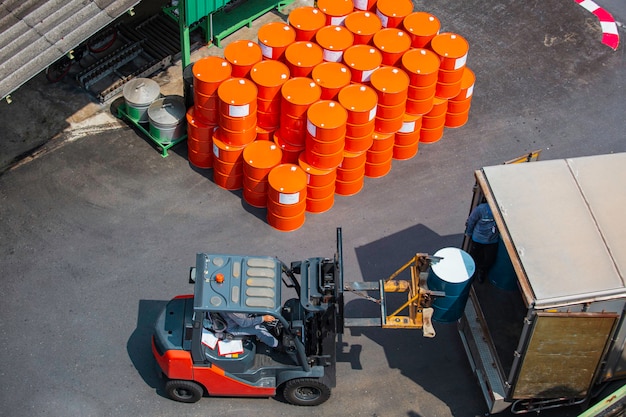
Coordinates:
306	391
184	391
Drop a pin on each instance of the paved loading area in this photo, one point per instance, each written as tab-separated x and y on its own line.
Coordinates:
99	231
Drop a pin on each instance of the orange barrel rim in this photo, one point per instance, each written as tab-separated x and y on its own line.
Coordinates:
236	137
362	60
285	224
391	85
351	174
391	112
259	158
450	76
315	176
360	101
378	157
419	107
237	124
274	37
352	160
422	27
378	170
334	40
298	94
269	76
306	21
318	192
410	131
392	125
448	90
431	135
467	84
287	184
362	5
326	120
392	43
454	120
363	25
421	93
360	130
382	142
422	66
320	205
242	55
301	57
451	48
393	12
238	97
209	72
404	152
331	77
290	151
433	122
336	11
359	144
324	160
459	106
224	151
324	147
349	188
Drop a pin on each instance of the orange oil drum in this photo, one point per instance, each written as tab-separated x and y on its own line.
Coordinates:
207	107
459	106
331	77
315	176
224	151
334	40
391	85
422	27
290	152
419	107
467	84
448	90
325	159
360	102
238	98
363	25
452	49
326	121
362	60
229	182
242	55
264	134
422	67
208	73
306	21
440	106
320	187
365	5
336	11
409	133
285	224
258	160
286	203
393	12
302	57
199	141
454	120
392	43
377	170
404	152
360	130
269	77
382	142
350	174
297	96
274	38
431	135
422	93
388	125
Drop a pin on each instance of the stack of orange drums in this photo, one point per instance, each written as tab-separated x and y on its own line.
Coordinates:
269	77
458	107
351	173
306	21
325	134
199	141
422	28
433	122
208	74
274	38
331	77
392	43
336	11
227	163
320	188
297	94
360	102
302	57
362	60
393	12
452	50
286	198
406	141
380	155
422	66
242	55
258	160
334	40
391	85
363	25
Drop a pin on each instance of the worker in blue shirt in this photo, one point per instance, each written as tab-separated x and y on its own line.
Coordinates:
482	229
239	324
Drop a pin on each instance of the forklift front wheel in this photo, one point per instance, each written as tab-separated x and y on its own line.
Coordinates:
184	391
306	391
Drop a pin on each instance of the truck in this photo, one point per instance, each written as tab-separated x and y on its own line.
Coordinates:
547	329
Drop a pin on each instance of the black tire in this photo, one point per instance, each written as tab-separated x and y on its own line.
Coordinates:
183	391
306	392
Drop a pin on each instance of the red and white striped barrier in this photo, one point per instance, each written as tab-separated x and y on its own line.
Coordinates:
610	36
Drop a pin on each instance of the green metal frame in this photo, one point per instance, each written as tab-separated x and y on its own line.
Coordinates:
163	147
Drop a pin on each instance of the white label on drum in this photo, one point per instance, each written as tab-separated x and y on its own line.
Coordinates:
239	111
332	56
288	199
337	20
460	62
311	128
470	91
360	4
407	127
365	77
373	113
267	51
383	19
216	151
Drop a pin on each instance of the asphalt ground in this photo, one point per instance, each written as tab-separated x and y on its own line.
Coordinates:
98	230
